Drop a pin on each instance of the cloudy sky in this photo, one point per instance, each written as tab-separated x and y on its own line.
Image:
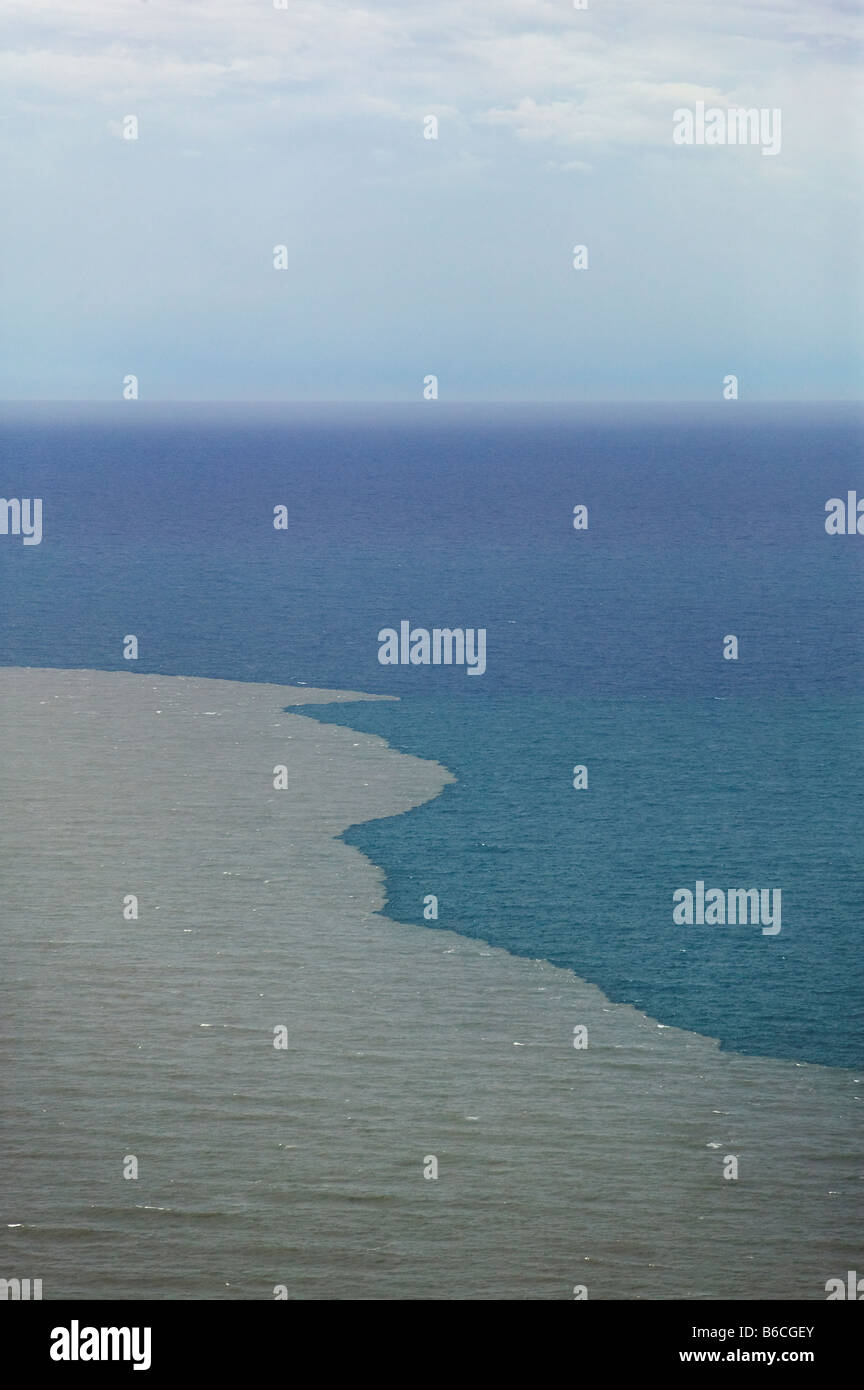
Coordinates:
303	126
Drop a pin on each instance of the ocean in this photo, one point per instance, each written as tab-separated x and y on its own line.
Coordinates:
227	1074
604	651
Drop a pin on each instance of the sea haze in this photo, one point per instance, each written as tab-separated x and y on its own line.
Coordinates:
604	648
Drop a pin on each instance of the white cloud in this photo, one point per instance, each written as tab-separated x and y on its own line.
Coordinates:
537	68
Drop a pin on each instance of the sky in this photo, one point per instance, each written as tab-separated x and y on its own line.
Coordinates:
303	127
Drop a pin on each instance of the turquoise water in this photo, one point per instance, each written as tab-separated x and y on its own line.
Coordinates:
737	793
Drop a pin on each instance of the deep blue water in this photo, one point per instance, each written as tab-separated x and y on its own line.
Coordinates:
604	649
